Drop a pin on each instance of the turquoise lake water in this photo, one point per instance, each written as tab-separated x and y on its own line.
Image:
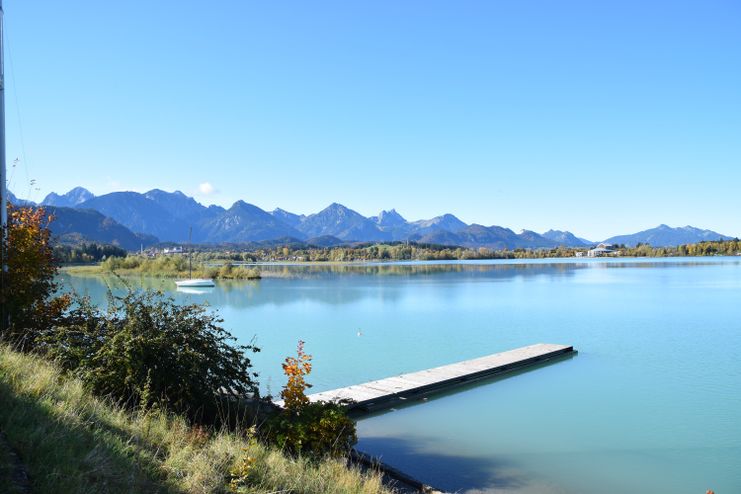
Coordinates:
651	403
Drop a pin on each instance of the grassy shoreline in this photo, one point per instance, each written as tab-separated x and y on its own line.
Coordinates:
164	267
72	442
254	272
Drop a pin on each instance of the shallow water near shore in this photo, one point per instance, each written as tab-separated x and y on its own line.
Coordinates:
651	403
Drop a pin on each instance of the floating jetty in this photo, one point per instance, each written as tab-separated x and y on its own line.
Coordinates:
384	393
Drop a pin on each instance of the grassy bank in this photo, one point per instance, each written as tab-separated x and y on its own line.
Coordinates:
71	442
166	267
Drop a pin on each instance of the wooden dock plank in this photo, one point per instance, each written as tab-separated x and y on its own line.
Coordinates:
383	393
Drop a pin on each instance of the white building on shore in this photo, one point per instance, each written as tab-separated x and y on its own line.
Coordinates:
603	250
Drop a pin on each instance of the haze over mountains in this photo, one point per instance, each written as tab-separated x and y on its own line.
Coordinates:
132	219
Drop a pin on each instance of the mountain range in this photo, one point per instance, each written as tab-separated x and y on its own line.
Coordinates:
132	219
664	235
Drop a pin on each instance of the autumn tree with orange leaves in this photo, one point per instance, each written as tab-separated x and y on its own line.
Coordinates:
28	287
295	368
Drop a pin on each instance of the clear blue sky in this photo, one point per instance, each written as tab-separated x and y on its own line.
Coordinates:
597	117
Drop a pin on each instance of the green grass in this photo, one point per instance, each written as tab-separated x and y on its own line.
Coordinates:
71	442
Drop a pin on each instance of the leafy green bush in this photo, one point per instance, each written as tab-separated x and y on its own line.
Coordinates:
302	427
145	350
319	429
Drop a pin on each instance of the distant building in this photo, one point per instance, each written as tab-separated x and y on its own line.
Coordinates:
172	250
602	250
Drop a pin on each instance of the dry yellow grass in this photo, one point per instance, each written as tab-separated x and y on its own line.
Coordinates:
72	442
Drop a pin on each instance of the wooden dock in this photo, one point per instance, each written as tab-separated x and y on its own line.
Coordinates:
387	392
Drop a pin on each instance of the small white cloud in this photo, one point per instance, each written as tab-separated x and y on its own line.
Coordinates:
206	189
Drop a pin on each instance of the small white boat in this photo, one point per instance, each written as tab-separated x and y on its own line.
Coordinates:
192	282
195	290
195	283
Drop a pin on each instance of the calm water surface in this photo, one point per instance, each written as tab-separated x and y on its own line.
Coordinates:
652	402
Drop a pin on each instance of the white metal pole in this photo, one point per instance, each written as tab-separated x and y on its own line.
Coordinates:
3	171
3	176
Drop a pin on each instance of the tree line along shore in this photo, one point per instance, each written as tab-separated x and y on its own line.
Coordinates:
233	262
